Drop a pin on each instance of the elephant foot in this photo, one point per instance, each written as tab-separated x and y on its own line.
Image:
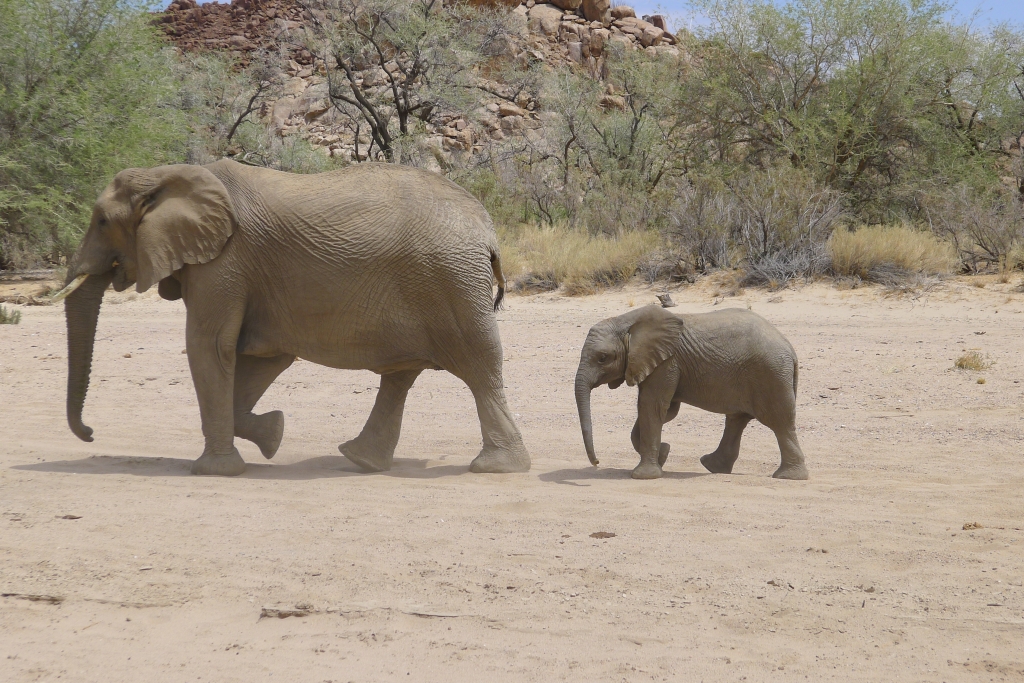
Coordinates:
796	472
219	465
647	470
501	461
367	457
717	463
266	431
663	453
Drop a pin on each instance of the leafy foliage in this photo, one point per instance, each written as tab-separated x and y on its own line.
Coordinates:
85	90
422	54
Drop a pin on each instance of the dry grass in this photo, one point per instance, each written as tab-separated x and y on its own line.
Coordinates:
9	317
546	258
891	248
972	360
726	283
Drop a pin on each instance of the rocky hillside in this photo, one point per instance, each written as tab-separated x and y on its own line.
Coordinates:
578	32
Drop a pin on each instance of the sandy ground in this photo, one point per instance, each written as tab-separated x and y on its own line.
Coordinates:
429	573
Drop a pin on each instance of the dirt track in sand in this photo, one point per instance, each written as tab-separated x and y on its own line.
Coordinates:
429	573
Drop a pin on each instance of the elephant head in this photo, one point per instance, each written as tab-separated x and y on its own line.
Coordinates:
145	226
627	349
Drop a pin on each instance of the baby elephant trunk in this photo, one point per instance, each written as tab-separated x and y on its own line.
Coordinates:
584	386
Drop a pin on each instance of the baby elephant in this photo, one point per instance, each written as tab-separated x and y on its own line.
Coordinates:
731	362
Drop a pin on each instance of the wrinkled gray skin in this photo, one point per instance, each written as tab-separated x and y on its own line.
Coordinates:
377	266
731	362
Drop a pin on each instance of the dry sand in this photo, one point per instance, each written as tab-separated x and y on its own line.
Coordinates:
429	573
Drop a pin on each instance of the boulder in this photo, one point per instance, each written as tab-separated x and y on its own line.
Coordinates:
622	11
545	19
567	5
495	3
509	109
575	51
511	123
657	20
316	108
621	41
598	10
607	102
598	39
294	86
282	111
651	35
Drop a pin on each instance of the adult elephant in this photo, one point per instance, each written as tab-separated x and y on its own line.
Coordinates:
376	266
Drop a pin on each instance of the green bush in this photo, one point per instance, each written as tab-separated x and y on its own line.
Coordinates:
85	90
9	317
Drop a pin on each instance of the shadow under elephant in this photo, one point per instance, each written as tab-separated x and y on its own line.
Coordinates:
572	477
321	467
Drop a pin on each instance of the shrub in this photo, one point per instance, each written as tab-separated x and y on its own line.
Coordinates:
701	221
875	252
85	90
9	317
972	360
782	211
546	258
985	229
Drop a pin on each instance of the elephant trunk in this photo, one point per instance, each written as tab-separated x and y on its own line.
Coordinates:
584	386
82	311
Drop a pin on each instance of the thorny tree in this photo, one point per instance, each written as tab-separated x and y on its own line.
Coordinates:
393	63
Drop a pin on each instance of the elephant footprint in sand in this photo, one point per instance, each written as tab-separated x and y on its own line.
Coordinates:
376	266
732	362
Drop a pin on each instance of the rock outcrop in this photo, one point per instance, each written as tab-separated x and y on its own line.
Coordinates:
241	27
581	32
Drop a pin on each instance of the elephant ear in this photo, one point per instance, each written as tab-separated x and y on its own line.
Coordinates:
186	217
652	339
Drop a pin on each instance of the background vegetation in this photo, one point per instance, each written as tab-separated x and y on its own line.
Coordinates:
85	90
869	139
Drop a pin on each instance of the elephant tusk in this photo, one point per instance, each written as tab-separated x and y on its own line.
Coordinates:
74	284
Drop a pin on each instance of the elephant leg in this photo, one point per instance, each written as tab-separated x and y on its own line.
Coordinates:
724	457
793	466
211	358
503	449
664	448
654	404
646	434
374	448
253	375
673	410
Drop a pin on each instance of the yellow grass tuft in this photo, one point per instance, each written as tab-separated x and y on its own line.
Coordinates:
545	258
897	246
972	360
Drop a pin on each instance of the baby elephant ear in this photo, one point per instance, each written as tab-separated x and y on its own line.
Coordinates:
656	335
186	217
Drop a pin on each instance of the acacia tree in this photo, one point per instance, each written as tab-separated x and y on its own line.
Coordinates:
222	104
393	63
85	90
870	96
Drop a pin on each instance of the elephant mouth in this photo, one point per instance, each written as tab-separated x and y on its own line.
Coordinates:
122	280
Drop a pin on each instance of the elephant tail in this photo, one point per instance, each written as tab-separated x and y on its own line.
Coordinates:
796	374
499	277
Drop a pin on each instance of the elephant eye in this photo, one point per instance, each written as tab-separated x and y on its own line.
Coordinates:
602	358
